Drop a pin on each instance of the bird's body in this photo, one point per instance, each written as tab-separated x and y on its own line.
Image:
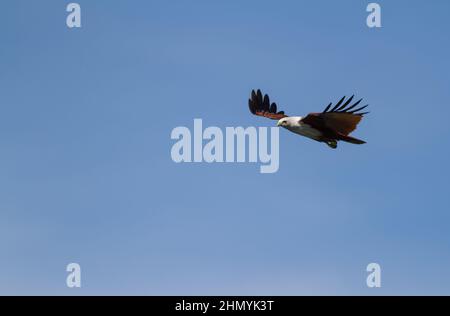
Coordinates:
328	127
295	125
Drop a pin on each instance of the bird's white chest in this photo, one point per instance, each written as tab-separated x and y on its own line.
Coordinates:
305	130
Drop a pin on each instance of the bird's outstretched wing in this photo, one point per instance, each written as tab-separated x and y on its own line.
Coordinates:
261	106
342	118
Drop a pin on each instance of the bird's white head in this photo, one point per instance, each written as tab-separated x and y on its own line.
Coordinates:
289	121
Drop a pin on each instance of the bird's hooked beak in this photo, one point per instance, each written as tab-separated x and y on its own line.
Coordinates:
279	123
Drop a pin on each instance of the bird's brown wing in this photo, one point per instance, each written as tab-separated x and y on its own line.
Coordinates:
341	119
261	106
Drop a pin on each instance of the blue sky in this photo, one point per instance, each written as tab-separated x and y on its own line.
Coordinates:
87	177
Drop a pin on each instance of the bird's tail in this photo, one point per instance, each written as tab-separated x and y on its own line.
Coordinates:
352	140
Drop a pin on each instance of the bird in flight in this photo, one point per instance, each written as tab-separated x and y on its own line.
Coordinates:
332	125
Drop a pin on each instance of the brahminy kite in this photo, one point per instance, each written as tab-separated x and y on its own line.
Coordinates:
328	127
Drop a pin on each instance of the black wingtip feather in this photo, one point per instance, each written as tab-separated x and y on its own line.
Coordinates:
273	108
259	96
251	106
354	105
261	103
266	103
359	109
345	108
338	104
346	103
327	108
